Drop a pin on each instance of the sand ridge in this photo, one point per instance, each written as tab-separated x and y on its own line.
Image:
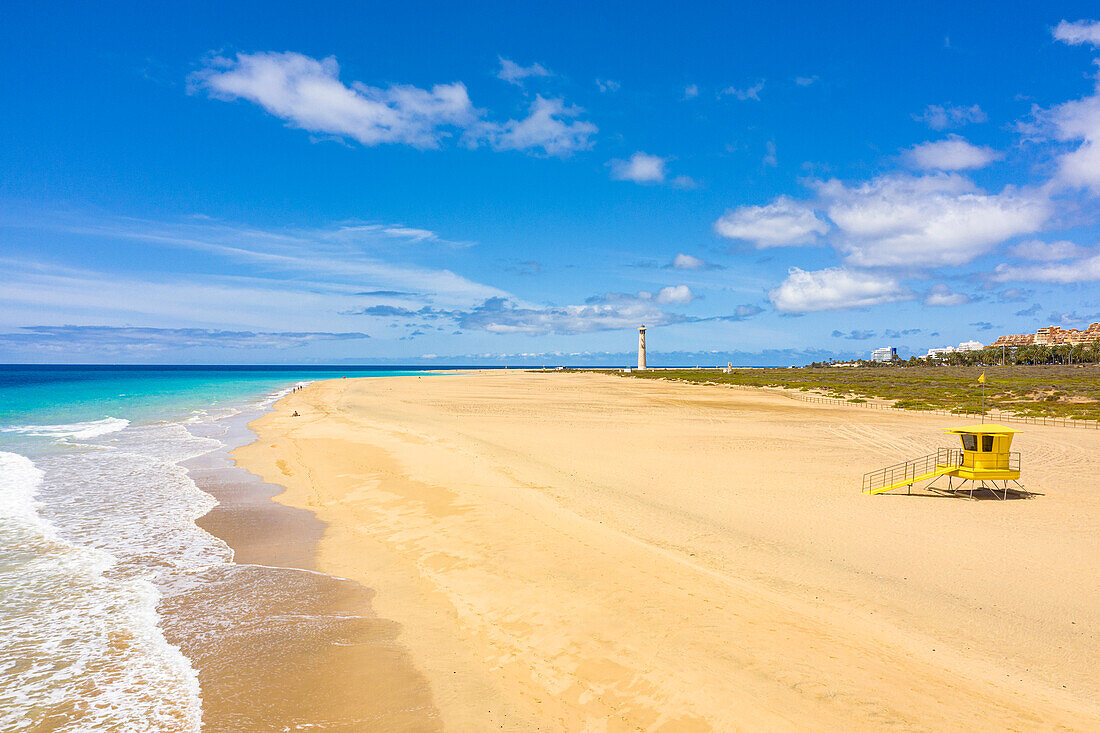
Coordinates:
585	552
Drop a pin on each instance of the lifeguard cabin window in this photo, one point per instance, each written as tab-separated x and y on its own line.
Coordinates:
970	442
987	443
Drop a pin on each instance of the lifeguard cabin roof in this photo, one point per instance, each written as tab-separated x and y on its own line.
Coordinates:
986	429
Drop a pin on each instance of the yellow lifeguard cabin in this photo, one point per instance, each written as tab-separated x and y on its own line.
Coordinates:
985	458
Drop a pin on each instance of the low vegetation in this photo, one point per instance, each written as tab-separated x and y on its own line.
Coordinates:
1032	355
1071	391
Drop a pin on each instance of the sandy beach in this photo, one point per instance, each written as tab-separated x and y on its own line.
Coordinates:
588	552
266	633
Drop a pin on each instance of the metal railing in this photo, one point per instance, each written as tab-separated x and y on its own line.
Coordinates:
912	469
899	473
1013	462
1010	462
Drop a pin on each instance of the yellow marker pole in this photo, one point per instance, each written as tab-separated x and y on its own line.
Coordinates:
981	380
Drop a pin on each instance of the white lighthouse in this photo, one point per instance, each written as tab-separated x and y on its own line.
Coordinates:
641	347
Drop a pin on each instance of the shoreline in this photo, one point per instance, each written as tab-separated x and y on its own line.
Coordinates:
425	486
291	646
246	517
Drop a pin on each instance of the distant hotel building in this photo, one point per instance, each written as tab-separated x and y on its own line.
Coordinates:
886	353
1052	336
964	346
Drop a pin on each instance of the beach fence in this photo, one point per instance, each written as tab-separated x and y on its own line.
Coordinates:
996	415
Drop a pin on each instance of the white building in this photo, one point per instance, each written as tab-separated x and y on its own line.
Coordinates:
886	353
964	346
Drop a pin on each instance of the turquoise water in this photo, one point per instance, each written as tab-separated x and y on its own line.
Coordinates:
49	394
97	529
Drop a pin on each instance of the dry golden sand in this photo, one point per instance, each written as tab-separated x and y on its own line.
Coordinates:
585	552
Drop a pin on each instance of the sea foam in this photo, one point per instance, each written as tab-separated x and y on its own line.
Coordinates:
19	478
81	430
88	537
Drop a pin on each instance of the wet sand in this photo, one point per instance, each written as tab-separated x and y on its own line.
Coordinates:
585	552
279	646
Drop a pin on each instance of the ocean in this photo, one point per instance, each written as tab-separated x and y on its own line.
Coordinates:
98	537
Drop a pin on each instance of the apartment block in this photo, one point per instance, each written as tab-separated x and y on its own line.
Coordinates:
1052	336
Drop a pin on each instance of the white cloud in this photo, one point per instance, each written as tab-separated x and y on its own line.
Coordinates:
416	235
141	341
1079	32
513	73
37	293
351	255
675	294
769	155
608	85
608	312
1077	120
746	94
1039	251
687	262
926	221
308	94
941	295
951	154
742	312
640	168
506	316
691	91
834	288
1077	271
548	126
783	222
645	168
805	81
940	117
296	285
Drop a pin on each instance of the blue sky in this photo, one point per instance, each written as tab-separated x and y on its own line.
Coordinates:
427	183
